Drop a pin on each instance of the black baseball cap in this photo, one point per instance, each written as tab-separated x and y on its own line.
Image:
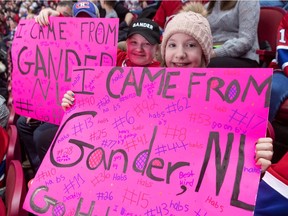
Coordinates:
147	28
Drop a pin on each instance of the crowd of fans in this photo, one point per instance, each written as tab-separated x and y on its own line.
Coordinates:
236	38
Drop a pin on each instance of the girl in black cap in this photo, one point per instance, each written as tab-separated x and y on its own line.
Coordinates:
142	44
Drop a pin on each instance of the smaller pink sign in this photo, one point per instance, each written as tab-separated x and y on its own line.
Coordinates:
43	58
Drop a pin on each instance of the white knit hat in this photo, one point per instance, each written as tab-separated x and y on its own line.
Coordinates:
193	24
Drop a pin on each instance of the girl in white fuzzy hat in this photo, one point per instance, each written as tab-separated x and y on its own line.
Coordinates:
187	43
187	38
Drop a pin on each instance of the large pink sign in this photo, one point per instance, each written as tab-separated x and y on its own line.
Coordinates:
43	58
155	142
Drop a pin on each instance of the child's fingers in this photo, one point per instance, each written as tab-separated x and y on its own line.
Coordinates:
65	105
264	164
70	93
68	98
264	144
264	152
267	155
41	20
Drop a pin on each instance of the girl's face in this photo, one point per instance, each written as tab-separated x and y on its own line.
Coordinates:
140	51
183	50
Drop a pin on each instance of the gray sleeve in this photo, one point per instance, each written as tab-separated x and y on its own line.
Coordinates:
4	113
249	12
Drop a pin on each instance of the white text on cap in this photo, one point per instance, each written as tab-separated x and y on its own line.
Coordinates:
146	25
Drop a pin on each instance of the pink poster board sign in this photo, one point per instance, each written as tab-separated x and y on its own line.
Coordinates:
43	58
155	142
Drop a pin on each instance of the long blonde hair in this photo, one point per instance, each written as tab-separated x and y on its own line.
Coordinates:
195	7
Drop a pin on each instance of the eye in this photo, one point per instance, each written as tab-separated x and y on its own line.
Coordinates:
171	45
147	45
191	45
133	42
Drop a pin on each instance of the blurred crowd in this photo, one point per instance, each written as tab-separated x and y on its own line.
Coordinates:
11	12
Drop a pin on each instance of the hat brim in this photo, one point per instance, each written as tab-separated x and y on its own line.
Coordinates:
86	12
147	36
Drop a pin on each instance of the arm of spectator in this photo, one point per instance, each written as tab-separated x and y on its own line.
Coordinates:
43	17
160	16
247	31
128	18
144	4
68	100
264	153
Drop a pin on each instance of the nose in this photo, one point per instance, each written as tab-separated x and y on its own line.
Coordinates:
139	47
180	52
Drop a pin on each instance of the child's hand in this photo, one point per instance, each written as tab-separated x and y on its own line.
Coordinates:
67	100
43	17
264	153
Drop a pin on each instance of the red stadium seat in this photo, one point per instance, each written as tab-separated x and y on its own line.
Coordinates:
15	190
2	208
269	21
14	149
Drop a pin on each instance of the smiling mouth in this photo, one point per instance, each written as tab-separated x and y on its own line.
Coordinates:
138	54
180	64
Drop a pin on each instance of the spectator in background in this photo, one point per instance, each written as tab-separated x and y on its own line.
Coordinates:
134	6
279	90
149	9
23	12
85	9
3	70
124	15
12	27
66	8
168	8
13	14
4	112
234	27
4	29
3	52
108	6
125	19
